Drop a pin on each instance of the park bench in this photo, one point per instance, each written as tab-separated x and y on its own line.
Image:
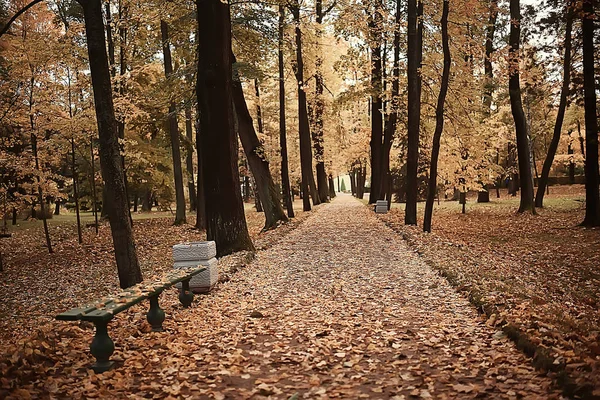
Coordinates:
101	312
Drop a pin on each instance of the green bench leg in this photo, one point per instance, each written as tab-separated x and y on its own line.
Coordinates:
155	315
186	297
102	348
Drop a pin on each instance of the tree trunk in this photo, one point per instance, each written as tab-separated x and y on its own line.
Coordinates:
285	176
121	89
571	164
353	183
375	29
391	122
592	180
189	163
488	89
265	189
414	114
560	116
439	121
173	130
523	149
76	190
225	220
331	186
317	134
57	207
308	178
110	157
93	185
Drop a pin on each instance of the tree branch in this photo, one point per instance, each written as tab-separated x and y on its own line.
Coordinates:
17	15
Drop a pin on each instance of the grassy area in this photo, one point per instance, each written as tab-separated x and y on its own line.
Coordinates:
70	218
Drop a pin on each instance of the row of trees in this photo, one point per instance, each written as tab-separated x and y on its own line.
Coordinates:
367	94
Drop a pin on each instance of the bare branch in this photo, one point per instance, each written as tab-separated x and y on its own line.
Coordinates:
17	15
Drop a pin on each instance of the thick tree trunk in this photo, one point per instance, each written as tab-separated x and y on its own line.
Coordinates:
523	149
375	29
189	163
173	130
353	183
439	121
285	176
110	158
255	153
57	207
560	116
414	114
592	180
225	220
308	178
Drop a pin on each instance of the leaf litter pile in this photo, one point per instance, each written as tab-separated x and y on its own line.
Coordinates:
338	308
35	285
535	277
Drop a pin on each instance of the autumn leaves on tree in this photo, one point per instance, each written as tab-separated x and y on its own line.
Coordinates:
412	100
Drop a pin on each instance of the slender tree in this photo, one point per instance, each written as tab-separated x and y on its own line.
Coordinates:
189	155
439	121
375	31
319	107
308	178
259	165
173	129
592	180
285	176
225	220
414	113
562	107
514	87
392	121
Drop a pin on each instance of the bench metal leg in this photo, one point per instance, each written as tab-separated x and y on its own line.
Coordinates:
102	348
155	315
186	297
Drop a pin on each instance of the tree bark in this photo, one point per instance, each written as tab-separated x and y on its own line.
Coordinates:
225	220
560	116
173	130
375	22
76	190
523	150
317	134
285	176
439	121
308	178
189	163
255	153
391	122
488	89
110	157
592	180
414	114
331	186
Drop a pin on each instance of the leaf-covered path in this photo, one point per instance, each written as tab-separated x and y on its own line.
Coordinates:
339	308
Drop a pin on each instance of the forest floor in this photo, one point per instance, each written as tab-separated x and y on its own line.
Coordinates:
35	285
340	307
536	277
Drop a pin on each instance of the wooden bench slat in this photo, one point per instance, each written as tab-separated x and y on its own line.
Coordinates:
104	309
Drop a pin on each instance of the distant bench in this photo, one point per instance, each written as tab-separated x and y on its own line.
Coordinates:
102	311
